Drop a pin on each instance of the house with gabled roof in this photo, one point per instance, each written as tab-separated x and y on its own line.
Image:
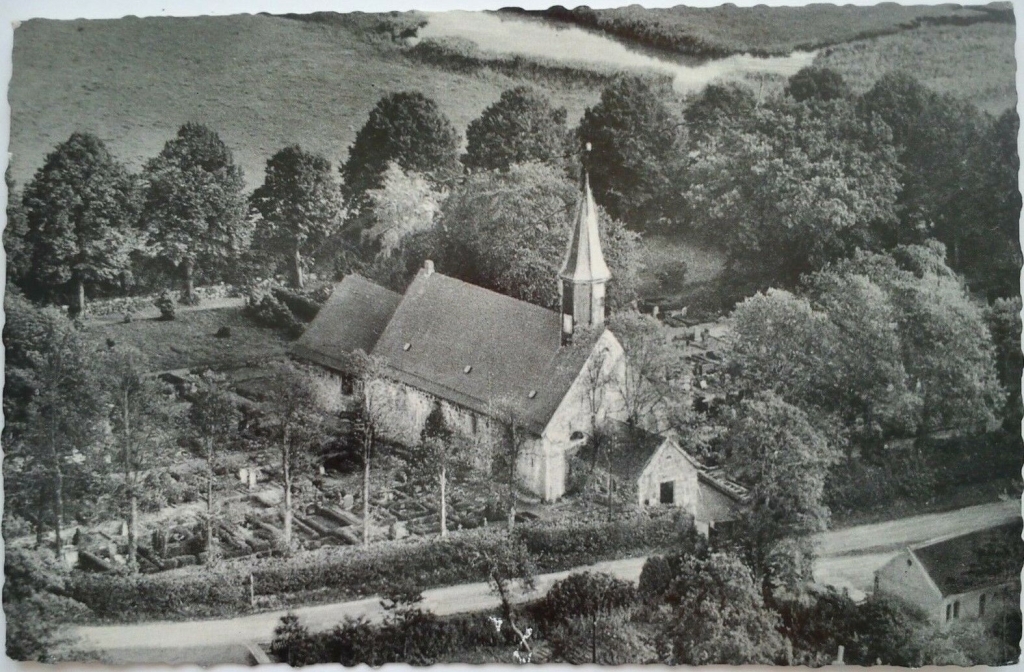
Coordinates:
482	356
657	471
964	577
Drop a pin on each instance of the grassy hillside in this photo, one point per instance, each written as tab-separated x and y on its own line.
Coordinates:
263	82
975	62
727	29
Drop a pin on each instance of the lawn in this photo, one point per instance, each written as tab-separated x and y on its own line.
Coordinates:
974	62
262	82
189	341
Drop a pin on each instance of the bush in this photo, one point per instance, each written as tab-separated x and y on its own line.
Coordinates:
655	577
166	305
304	308
585	594
267	311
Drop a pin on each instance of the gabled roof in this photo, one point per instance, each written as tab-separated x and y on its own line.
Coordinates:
976	560
584	261
719	500
478	348
632	451
353	319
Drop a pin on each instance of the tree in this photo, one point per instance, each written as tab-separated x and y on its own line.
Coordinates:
405	204
299	205
509	230
589	597
138	419
718	105
510	568
512	438
15	237
406	128
650	362
63	419
1004	323
373	410
81	209
521	127
635	146
719	616
442	450
817	83
212	419
194	209
796	187
300	421
945	344
775	451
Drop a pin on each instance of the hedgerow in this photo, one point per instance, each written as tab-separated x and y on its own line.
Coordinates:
340	573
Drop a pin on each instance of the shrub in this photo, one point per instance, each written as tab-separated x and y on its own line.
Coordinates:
585	594
655	577
304	308
166	305
267	311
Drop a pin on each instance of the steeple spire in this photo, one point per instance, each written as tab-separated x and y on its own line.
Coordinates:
581	282
585	262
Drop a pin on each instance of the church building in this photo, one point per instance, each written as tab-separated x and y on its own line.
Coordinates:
487	359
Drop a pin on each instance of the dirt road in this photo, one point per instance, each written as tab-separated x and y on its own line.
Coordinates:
847	558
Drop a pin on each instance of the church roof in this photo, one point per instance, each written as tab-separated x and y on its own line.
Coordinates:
584	261
353	318
478	348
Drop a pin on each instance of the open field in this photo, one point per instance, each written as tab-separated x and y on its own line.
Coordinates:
725	30
974	62
262	82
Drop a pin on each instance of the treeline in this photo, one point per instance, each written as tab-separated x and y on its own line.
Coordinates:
719	32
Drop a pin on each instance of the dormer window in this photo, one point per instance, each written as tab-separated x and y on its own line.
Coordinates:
468	369
531	394
577	436
406	346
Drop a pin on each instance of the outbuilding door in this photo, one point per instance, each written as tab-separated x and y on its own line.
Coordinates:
668	492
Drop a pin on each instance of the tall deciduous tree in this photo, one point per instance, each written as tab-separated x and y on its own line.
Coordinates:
194	210
301	427
775	451
406	128
509	231
719	616
441	450
15	237
138	419
82	210
299	205
406	204
373	411
635	148
521	127
719	105
817	83
64	417
798	186
212	420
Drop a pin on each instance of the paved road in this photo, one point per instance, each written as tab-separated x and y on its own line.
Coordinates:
848	558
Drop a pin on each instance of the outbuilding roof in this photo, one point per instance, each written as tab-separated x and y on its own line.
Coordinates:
353	318
976	560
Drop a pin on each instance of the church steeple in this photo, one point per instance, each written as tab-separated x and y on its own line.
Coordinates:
584	274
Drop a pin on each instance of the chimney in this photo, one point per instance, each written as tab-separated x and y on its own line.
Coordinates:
428	266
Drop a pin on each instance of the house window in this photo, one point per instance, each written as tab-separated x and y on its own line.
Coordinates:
949	611
981	605
956	609
576	436
668	492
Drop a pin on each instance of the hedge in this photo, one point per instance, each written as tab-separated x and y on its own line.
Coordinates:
340	573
